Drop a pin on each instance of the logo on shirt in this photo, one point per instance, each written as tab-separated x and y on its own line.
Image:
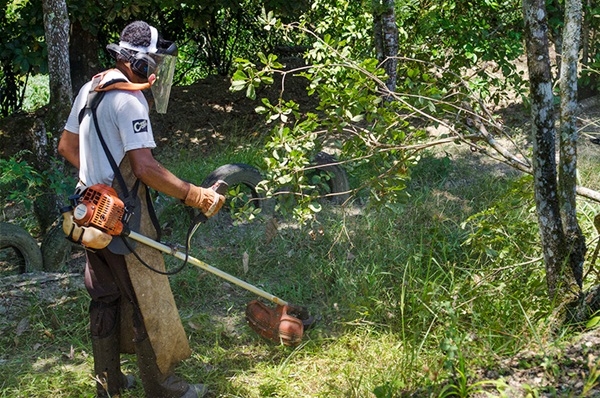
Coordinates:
140	126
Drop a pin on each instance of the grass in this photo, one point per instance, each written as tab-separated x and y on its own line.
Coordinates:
37	93
414	300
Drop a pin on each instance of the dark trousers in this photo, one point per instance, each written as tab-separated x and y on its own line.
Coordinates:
108	282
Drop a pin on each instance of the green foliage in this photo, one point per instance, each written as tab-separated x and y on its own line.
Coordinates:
514	212
445	278
466	35
594	321
22	51
221	32
22	183
19	181
37	93
247	77
348	21
52	341
351	115
23	40
590	75
210	35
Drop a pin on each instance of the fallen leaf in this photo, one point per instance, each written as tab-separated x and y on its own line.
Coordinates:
69	355
194	326
245	260
22	326
271	230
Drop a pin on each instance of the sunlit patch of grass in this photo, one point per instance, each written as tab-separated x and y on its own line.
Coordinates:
352	365
37	93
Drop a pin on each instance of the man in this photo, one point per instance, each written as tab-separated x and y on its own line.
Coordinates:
132	308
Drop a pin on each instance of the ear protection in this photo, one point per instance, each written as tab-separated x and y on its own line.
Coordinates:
142	64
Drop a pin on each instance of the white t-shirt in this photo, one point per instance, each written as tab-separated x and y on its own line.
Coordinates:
123	117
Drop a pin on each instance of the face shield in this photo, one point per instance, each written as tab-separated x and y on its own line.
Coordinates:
163	71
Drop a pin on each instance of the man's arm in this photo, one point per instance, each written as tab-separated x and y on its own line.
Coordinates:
68	147
153	174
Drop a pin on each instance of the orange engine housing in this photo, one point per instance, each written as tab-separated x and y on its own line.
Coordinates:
100	207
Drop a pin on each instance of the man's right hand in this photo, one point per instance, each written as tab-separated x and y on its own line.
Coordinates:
207	200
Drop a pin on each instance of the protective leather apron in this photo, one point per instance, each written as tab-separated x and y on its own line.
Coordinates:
152	290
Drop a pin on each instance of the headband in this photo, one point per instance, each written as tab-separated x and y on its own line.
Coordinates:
152	48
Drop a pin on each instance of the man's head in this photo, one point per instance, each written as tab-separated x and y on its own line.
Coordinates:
141	52
141	45
139	36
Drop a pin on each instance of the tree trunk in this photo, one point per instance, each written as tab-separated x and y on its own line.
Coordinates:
543	133
56	27
83	56
555	31
568	139
378	32
586	33
386	39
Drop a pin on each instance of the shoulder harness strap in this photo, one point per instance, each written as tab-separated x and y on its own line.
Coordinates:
95	95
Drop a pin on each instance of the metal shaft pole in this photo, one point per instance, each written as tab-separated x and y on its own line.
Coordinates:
176	253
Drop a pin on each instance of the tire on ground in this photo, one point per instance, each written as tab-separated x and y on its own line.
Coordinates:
20	240
338	183
241	174
56	249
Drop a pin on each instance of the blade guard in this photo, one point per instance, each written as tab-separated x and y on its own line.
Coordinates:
274	324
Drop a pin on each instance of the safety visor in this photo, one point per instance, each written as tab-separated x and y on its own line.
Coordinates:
164	71
161	63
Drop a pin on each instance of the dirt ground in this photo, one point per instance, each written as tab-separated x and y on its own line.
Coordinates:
201	117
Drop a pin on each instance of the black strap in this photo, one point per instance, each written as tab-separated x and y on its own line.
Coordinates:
111	159
152	213
94	98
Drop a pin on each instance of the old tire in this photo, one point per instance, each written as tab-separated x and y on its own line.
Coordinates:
246	178
13	236
338	183
56	250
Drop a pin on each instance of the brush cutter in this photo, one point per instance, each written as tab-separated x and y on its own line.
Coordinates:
97	217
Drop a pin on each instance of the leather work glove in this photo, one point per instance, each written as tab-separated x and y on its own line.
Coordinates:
207	200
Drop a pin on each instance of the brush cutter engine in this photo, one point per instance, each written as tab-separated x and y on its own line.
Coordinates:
95	217
101	208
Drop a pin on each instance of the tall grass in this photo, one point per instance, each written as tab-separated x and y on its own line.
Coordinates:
415	300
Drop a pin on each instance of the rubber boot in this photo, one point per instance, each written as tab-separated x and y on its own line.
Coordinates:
110	381
160	385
